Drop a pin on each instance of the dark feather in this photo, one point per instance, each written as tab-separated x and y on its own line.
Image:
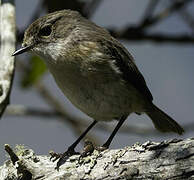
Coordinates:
124	61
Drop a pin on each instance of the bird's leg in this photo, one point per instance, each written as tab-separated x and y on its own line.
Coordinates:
70	151
108	142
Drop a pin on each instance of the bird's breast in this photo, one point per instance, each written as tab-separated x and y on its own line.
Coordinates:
100	96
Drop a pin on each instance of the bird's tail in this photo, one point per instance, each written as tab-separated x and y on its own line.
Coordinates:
162	121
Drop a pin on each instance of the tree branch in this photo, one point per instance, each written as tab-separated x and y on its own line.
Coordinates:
173	159
7	47
133	33
21	110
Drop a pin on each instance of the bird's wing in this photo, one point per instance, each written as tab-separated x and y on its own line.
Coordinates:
124	62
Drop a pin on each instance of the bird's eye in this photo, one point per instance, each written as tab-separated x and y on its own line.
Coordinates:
45	31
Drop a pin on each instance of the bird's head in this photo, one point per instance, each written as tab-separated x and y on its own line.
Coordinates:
48	34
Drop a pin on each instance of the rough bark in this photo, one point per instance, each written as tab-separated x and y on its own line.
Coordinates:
173	159
7	47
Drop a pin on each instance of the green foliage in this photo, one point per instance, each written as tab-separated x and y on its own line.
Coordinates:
37	68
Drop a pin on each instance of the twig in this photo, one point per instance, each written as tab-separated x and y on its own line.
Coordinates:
188	19
22	172
149	10
176	6
133	33
20	110
11	153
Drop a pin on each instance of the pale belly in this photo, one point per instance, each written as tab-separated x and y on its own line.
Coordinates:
102	100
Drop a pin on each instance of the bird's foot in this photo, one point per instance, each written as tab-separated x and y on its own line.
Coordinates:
87	150
54	156
62	157
101	148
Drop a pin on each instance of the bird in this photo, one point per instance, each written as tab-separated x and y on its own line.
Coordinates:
94	71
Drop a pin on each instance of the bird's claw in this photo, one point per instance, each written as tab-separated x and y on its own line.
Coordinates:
61	156
88	149
101	148
54	156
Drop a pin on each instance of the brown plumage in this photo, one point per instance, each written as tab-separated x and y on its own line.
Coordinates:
94	71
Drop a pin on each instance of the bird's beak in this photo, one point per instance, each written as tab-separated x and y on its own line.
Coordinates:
22	50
